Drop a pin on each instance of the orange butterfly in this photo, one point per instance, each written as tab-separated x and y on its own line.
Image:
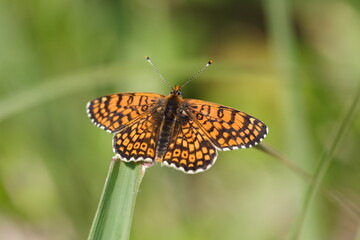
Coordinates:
181	133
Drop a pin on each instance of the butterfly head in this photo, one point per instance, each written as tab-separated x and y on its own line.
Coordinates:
176	91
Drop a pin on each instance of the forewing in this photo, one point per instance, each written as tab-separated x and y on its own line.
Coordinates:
190	151
226	127
137	141
116	111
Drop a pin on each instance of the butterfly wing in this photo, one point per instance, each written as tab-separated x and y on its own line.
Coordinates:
226	127
190	150
116	111
137	141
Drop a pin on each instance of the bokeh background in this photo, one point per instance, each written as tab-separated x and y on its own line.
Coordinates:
293	64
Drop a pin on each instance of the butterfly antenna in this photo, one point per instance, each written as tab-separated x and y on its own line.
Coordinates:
157	71
196	74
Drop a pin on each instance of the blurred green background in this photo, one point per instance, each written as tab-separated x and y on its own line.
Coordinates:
293	64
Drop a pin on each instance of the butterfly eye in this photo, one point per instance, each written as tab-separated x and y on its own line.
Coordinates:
176	92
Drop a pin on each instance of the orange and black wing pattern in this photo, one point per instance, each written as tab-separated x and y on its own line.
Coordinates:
190	150
114	112
227	128
137	141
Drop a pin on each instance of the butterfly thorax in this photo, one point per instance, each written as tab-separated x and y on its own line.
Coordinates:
172	106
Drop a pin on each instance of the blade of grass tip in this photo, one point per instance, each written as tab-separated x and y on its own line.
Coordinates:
324	164
114	214
333	195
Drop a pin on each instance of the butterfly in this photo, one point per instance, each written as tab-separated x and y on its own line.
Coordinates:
185	134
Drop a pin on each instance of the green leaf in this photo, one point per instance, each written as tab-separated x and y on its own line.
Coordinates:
114	214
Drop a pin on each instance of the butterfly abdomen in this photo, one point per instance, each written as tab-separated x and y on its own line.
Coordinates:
167	125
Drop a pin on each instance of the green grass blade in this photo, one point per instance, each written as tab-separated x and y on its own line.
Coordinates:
332	194
325	162
114	214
